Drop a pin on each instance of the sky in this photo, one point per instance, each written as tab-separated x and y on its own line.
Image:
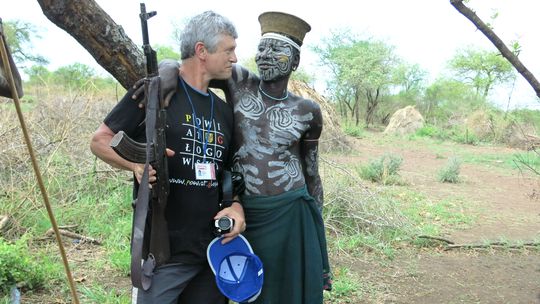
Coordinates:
424	32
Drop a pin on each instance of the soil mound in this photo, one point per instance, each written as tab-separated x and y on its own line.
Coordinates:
405	121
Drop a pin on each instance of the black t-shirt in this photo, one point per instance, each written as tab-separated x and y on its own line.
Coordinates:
192	203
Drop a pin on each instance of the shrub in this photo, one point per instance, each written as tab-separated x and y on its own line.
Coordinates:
383	170
353	130
18	267
358	218
427	131
465	137
450	173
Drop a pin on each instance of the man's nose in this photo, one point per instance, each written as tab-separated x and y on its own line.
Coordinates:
265	53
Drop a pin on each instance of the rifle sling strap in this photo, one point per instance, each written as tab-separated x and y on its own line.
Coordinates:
227	189
142	271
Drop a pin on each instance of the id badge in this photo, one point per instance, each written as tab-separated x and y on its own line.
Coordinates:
205	171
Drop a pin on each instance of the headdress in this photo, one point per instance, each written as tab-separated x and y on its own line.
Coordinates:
285	27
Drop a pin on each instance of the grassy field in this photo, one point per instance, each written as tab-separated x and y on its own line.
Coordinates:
374	210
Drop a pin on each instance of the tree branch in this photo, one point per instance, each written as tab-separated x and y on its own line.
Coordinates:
499	44
74	235
97	32
492	245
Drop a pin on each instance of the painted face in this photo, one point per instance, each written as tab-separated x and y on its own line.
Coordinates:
274	59
219	63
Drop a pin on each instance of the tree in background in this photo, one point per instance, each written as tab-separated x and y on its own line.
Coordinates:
302	75
166	52
19	35
482	69
75	76
409	86
362	72
410	79
448	100
510	55
38	75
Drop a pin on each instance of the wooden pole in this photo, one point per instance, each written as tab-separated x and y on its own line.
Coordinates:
14	94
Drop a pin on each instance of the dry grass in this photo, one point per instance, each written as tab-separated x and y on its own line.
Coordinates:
352	206
60	129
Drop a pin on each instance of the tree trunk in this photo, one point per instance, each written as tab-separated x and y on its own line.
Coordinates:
355	113
499	44
95	30
372	102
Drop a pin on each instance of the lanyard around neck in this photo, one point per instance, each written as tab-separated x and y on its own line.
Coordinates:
200	129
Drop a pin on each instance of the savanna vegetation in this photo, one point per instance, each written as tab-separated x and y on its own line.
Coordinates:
369	209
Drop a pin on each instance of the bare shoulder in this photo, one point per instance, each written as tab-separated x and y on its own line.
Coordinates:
311	110
242	74
305	104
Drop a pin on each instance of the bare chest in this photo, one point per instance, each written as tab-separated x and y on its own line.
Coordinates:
269	123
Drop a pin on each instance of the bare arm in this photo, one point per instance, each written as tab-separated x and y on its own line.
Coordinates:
101	148
310	154
311	171
168	72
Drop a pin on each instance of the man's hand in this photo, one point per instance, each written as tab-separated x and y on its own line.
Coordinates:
168	72
236	212
138	170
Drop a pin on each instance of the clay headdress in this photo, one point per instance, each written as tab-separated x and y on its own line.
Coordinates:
284	27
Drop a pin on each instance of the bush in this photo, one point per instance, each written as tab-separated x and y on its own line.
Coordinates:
450	173
353	130
383	170
427	131
358	218
465	137
456	133
18	267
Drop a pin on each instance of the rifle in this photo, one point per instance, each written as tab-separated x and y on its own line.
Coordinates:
151	246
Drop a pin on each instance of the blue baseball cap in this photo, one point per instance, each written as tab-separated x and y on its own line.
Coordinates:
239	272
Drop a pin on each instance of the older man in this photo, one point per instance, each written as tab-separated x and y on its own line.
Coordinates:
199	131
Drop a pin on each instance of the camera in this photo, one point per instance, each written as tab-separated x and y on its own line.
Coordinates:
223	225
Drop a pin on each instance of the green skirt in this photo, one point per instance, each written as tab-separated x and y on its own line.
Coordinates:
286	231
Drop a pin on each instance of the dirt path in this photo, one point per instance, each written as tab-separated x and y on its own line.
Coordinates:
506	207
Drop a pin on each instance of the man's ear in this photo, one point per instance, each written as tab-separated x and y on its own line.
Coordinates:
200	50
295	61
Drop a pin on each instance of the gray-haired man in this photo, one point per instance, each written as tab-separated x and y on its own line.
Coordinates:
199	131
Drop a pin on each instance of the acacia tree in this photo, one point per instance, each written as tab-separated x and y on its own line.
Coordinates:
448	100
498	43
19	35
410	78
482	69
362	72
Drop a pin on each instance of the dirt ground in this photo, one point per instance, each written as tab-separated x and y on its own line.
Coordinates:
507	207
507	204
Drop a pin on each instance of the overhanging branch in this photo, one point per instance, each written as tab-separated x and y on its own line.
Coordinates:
499	44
